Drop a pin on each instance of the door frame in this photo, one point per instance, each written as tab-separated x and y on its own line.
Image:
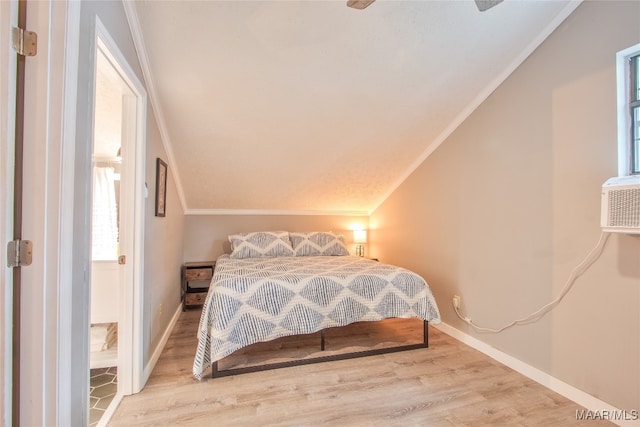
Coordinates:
50	383
130	363
8	19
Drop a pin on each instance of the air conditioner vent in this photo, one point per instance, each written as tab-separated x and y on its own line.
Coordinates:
624	208
621	205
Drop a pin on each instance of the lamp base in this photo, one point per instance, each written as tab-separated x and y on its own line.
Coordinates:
360	250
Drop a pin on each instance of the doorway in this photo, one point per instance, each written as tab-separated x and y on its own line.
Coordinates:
110	91
117	229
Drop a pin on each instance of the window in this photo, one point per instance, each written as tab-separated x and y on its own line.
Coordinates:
628	75
634	110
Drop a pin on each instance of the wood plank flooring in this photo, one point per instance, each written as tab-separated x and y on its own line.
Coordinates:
448	384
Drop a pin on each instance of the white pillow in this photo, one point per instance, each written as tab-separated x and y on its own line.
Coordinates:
316	243
260	244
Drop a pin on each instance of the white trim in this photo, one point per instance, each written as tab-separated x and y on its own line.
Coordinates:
272	212
47	100
8	19
622	84
66	222
163	342
130	336
570	392
138	41
482	96
111	409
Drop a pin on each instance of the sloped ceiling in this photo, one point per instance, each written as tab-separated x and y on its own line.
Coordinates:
310	106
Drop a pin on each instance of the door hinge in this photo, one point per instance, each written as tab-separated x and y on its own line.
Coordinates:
19	253
25	42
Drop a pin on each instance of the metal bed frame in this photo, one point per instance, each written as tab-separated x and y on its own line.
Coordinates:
216	373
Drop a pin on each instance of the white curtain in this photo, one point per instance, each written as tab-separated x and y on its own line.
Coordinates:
105	216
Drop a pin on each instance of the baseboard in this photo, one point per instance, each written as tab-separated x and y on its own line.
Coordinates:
163	341
111	409
570	392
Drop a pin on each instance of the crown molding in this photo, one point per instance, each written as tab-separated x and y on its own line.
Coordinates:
281	212
138	41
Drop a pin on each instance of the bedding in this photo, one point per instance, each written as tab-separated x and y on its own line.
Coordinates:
260	299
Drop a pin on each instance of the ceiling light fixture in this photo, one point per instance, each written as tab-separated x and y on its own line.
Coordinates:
482	5
359	4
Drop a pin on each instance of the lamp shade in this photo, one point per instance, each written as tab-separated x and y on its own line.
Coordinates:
360	236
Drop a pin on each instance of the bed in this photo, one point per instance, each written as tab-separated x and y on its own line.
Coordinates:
277	284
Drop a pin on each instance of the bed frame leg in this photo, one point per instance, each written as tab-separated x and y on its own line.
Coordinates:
322	340
426	333
214	369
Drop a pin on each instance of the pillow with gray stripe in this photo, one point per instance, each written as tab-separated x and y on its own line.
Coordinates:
318	243
259	244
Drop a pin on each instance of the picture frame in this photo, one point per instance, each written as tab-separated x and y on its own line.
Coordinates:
161	187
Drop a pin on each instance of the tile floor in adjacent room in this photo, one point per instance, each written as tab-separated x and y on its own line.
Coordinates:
103	386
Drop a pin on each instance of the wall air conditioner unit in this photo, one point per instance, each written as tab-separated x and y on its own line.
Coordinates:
620	212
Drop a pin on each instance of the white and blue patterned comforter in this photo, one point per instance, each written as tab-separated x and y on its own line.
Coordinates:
261	299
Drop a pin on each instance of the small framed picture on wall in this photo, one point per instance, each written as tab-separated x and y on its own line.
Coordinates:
161	187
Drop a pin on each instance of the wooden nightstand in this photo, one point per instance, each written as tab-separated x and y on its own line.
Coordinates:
195	281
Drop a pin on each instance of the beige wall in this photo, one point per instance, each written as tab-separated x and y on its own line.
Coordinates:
163	247
205	236
509	204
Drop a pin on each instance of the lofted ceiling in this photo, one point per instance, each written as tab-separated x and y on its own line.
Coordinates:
311	106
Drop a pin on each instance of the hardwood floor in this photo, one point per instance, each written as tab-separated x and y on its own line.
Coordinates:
448	384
